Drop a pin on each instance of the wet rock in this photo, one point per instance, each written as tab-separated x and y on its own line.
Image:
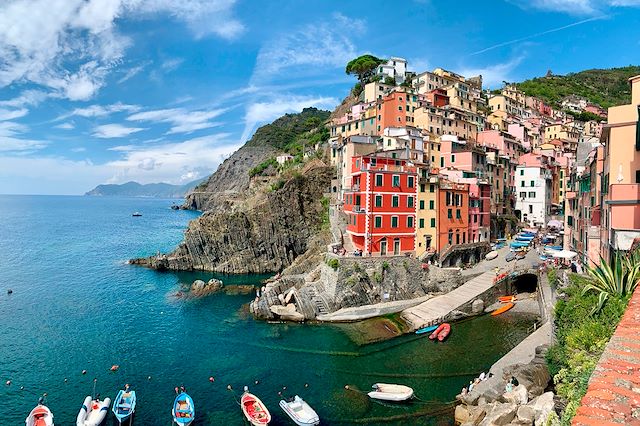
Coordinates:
200	289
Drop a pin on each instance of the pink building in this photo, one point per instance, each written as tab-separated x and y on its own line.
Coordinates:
505	142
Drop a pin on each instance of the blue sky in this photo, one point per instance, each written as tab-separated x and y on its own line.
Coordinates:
96	91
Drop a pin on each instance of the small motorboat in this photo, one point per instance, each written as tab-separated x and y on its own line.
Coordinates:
510	256
424	330
300	412
183	411
491	255
254	410
136	214
504	308
389	392
441	332
125	404
40	415
93	411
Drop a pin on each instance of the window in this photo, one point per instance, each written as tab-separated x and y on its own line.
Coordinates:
432	188
399	107
450	237
530	208
378	222
421	223
442	162
521	172
464	238
379	180
522	184
523	195
532	195
431	204
396	180
421	204
378	200
395	201
394	221
409	221
450	213
448	198
433	223
410	181
457	237
453	158
422	187
533	183
458	214
409	202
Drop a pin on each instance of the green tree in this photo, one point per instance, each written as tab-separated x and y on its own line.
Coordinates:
363	67
390	81
618	279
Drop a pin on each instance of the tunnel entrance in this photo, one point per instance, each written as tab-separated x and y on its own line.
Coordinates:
526	283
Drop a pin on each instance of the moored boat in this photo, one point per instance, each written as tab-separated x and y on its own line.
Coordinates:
93	411
136	214
441	332
125	404
184	410
428	329
491	255
503	308
254	409
40	415
390	392
510	256
300	412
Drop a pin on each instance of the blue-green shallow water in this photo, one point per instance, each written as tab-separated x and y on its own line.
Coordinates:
76	305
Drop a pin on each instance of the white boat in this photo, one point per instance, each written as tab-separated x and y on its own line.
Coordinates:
389	392
491	255
93	411
300	412
40	415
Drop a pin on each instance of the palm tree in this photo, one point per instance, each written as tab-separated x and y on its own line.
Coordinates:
619	278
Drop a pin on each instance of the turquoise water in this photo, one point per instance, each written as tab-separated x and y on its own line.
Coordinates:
77	306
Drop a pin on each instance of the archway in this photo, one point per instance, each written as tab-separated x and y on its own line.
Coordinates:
525	283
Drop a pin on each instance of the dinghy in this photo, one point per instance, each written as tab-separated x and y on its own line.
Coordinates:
300	412
389	392
125	404
426	329
93	411
503	308
40	415
183	410
254	409
491	255
441	332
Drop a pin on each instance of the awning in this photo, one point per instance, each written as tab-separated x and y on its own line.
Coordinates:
555	224
562	254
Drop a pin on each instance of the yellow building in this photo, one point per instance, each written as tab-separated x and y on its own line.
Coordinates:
503	103
426	211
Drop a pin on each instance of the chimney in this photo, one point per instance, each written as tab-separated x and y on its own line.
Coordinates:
635	90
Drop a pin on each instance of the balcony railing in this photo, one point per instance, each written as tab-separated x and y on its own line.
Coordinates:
357	209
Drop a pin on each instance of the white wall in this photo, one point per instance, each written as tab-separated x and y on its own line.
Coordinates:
535	206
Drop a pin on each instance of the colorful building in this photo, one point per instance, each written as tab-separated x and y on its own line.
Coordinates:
453	214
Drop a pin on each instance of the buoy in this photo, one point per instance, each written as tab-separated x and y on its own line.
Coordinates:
8	382
21	387
346	387
211	379
279	393
84	371
229	387
284	388
149	378
257	381
65	380
306	385
114	367
9	291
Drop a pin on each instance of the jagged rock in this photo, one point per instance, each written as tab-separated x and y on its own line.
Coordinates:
517	395
476	415
461	414
477	306
542	406
287	312
525	415
534	375
499	414
199	288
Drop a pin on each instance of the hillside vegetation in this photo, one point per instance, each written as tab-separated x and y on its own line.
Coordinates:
605	87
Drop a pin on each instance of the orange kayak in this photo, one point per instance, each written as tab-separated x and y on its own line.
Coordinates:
506	299
503	309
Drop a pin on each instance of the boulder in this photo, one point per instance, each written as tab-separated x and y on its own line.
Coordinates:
461	414
499	414
477	306
525	415
199	288
542	407
516	396
476	415
287	312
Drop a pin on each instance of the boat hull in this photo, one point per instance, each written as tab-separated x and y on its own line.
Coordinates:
503	309
426	329
390	392
40	416
183	410
93	412
254	410
300	412
124	405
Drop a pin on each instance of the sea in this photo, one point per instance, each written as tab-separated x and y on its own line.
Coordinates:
77	306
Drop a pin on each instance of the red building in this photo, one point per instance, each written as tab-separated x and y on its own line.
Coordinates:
438	97
453	214
381	205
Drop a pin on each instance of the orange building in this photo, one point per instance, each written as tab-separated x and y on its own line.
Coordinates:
396	110
453	214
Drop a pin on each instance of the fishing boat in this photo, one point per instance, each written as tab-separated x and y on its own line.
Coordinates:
254	410
125	404
136	214
40	415
504	308
441	332
389	392
424	330
93	411
300	412
183	411
491	255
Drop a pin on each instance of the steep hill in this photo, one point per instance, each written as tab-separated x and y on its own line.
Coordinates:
134	189
605	87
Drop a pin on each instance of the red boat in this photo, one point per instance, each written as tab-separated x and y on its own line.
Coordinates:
441	332
254	410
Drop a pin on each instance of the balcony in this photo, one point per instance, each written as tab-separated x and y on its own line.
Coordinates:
357	209
353	188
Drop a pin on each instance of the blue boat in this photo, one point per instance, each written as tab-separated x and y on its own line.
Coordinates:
427	329
184	410
124	405
519	244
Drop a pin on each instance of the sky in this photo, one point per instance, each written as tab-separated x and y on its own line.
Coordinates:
109	91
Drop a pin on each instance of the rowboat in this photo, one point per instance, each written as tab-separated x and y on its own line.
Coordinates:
503	308
93	411
125	404
389	392
254	410
300	412
426	329
40	415
441	332
491	255
183	411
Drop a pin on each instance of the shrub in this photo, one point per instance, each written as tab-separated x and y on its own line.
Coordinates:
377	277
325	213
257	170
385	266
618	279
334	263
278	185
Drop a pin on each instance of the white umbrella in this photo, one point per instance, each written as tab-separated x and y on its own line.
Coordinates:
555	224
563	254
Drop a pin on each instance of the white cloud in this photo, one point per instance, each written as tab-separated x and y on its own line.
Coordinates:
133	71
324	44
70	46
577	7
27	98
181	119
494	75
10	140
96	110
107	131
65	126
171	64
10	114
262	112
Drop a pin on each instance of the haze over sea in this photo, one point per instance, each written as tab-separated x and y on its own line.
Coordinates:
76	305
